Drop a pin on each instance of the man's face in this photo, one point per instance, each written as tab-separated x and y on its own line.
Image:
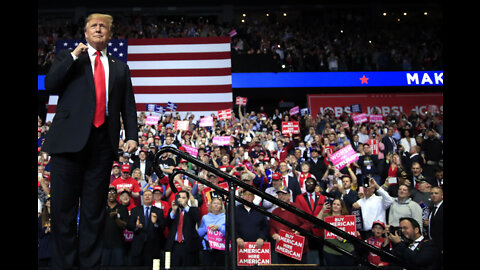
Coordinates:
182	200
284	197
408	231
97	33
346	183
112	195
157	195
436	195
416	169
147	198
310	185
283	167
248	196
142	156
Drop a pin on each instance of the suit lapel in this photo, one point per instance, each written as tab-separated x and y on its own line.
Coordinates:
111	74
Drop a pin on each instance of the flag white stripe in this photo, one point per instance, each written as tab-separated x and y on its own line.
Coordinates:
171	81
179	64
183	98
175	98
179	48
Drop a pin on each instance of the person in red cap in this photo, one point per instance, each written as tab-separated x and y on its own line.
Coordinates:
116	173
276	185
127	183
378	229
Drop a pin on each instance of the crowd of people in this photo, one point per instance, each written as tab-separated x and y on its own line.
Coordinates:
395	188
320	40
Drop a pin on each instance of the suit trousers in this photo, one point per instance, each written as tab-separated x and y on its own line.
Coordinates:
80	180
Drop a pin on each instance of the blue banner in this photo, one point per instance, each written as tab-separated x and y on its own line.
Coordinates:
337	79
328	79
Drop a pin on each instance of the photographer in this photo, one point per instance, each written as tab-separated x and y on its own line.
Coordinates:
410	246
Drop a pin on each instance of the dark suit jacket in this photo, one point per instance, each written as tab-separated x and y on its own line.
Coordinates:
73	82
191	238
154	235
426	255
148	166
436	227
294	186
388	144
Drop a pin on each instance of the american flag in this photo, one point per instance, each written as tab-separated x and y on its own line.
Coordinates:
193	73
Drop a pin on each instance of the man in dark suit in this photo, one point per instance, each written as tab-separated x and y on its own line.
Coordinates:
390	143
94	89
435	225
183	240
414	250
147	223
289	181
144	163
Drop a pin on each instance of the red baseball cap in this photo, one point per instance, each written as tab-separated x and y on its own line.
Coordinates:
125	168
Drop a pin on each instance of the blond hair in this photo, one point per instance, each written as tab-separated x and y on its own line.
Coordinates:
222	208
108	18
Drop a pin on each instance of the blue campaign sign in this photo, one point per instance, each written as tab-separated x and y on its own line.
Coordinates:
337	79
328	79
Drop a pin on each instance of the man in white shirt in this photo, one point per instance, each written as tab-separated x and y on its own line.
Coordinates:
373	206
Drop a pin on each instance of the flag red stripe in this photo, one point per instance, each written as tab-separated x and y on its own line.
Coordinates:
184	107
178	56
191	107
166	41
184	89
180	72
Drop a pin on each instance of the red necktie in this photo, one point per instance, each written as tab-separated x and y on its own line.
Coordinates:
312	202
99	77
180	228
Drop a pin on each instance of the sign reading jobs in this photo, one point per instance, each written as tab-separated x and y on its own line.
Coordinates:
370	103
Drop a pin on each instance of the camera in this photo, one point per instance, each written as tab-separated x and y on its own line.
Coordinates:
394	229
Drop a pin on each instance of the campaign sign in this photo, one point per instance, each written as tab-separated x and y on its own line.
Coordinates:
343	157
374	145
375	118
345	223
191	150
294	110
152	120
241	101
290	245
221	140
181	125
206	122
290	127
360	118
251	255
225	114
216	239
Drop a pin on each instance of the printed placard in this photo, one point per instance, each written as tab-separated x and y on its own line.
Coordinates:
290	245
221	140
360	118
345	223
241	101
216	239
290	127
181	125
294	110
375	118
191	150
206	122
343	157
251	255
225	114
152	120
